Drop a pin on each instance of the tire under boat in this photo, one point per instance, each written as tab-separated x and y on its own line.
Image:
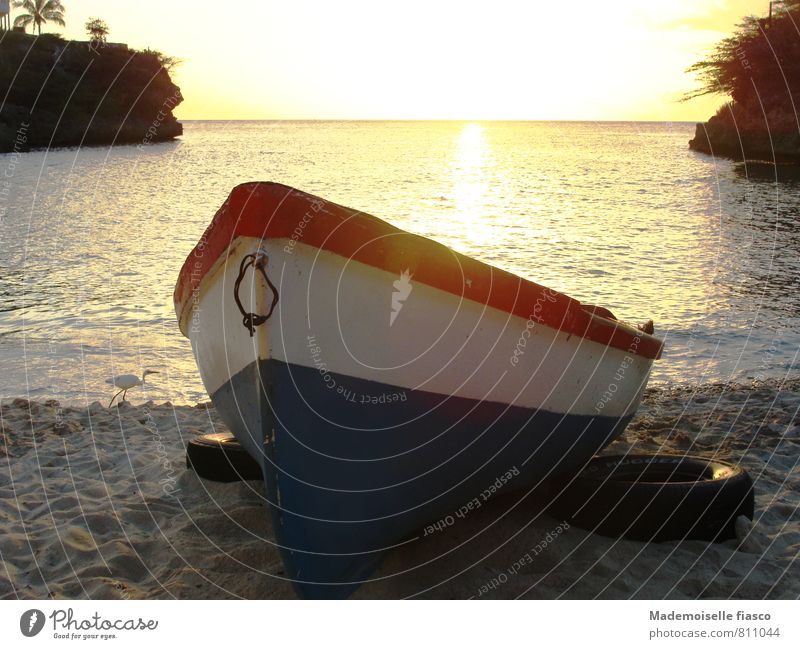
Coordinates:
394	379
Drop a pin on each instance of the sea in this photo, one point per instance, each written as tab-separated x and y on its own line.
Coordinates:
618	214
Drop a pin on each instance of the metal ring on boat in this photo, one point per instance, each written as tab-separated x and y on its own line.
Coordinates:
259	262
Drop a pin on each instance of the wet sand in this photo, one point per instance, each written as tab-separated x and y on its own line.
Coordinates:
97	502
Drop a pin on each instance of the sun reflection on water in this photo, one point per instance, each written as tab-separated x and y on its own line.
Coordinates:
471	184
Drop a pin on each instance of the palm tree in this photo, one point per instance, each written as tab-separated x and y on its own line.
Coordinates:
38	13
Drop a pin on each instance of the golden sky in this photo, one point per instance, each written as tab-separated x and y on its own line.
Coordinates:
427	59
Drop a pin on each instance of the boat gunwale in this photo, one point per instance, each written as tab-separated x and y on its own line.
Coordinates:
259	210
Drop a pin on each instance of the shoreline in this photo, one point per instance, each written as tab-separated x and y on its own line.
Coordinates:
654	389
97	503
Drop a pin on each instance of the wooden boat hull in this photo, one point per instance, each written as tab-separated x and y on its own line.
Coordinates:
381	395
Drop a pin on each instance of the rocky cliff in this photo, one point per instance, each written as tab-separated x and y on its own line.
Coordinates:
746	132
71	93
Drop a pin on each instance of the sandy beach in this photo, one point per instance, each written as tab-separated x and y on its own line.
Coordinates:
97	503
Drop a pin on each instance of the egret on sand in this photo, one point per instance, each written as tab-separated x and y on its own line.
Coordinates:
127	381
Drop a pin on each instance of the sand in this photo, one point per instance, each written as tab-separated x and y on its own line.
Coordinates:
97	503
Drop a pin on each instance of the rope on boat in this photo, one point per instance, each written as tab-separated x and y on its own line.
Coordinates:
259	262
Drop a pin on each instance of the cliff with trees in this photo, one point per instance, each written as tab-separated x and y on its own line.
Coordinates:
77	93
758	67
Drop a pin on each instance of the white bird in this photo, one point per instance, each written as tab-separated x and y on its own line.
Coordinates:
127	381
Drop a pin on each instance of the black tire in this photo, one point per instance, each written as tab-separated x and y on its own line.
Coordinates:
656	498
221	458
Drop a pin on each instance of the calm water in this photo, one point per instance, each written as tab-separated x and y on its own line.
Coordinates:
617	214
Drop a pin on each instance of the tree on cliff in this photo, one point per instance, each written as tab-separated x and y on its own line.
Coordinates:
97	30
759	62
38	13
169	63
758	67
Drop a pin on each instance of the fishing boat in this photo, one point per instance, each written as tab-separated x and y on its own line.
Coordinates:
382	380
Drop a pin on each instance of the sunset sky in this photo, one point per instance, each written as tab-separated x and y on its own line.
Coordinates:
427	59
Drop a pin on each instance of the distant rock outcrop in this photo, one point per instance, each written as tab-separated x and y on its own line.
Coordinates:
73	93
745	132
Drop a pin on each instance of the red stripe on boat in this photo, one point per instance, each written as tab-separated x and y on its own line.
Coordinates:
266	210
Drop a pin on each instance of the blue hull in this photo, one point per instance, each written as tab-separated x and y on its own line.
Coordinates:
354	467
